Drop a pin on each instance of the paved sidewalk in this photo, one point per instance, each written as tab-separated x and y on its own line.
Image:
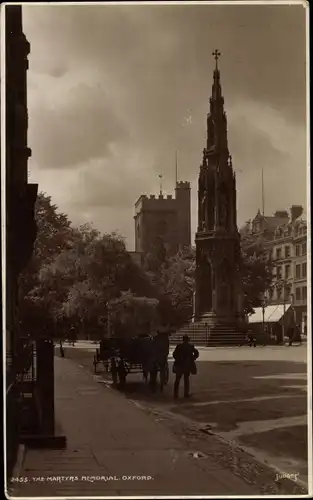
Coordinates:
125	450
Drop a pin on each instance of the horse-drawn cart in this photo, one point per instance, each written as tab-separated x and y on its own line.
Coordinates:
124	356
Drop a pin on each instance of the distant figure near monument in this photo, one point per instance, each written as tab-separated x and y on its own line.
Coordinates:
218	296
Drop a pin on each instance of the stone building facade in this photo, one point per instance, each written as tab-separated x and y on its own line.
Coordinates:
29	360
300	286
284	237
20	225
164	217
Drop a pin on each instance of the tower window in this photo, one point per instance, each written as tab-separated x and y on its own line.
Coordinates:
162	227
287	292
278	272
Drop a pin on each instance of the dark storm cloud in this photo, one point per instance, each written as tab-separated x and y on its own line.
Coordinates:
58	71
109	96
82	129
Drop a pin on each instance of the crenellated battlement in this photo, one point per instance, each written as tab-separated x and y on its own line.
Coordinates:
158	203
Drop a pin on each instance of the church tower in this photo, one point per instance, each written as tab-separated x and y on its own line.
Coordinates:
218	284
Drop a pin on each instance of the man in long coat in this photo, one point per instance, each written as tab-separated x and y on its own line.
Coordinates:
185	355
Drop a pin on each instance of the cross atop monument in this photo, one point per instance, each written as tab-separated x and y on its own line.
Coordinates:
216	54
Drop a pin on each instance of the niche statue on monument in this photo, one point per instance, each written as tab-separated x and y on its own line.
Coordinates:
204	210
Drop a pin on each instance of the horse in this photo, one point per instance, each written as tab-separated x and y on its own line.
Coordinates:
158	362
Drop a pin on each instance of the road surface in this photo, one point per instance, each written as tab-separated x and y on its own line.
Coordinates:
256	397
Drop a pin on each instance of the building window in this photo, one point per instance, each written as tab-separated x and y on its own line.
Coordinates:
297	250
278	253
298	293
270	294
287	251
304	270
304	293
287	271
278	272
298	271
304	248
161	227
278	293
287	293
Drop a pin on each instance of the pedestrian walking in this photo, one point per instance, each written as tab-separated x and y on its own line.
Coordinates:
185	355
161	351
291	335
72	336
251	339
61	349
300	334
297	334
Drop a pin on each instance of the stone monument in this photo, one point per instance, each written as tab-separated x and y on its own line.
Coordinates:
218	294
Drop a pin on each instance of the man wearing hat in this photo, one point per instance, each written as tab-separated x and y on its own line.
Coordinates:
184	355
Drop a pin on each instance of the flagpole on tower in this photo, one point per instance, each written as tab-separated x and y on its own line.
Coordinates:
262	193
176	167
161	187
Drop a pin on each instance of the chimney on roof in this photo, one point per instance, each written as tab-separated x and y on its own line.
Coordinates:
282	214
296	211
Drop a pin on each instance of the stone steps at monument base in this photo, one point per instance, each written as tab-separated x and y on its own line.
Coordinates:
217	336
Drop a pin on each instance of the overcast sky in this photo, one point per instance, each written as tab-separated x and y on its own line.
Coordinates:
112	87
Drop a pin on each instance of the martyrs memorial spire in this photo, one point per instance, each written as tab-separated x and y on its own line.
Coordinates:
216	118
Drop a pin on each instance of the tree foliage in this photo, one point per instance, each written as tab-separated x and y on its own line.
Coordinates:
54	234
75	272
177	283
257	276
157	257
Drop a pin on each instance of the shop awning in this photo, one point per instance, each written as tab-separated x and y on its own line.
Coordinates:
272	314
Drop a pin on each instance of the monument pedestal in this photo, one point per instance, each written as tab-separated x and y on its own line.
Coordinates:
214	320
222	329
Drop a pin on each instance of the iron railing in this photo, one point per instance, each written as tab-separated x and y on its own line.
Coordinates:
20	374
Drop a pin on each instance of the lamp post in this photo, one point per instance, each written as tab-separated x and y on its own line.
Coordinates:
293	309
282	286
264	305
